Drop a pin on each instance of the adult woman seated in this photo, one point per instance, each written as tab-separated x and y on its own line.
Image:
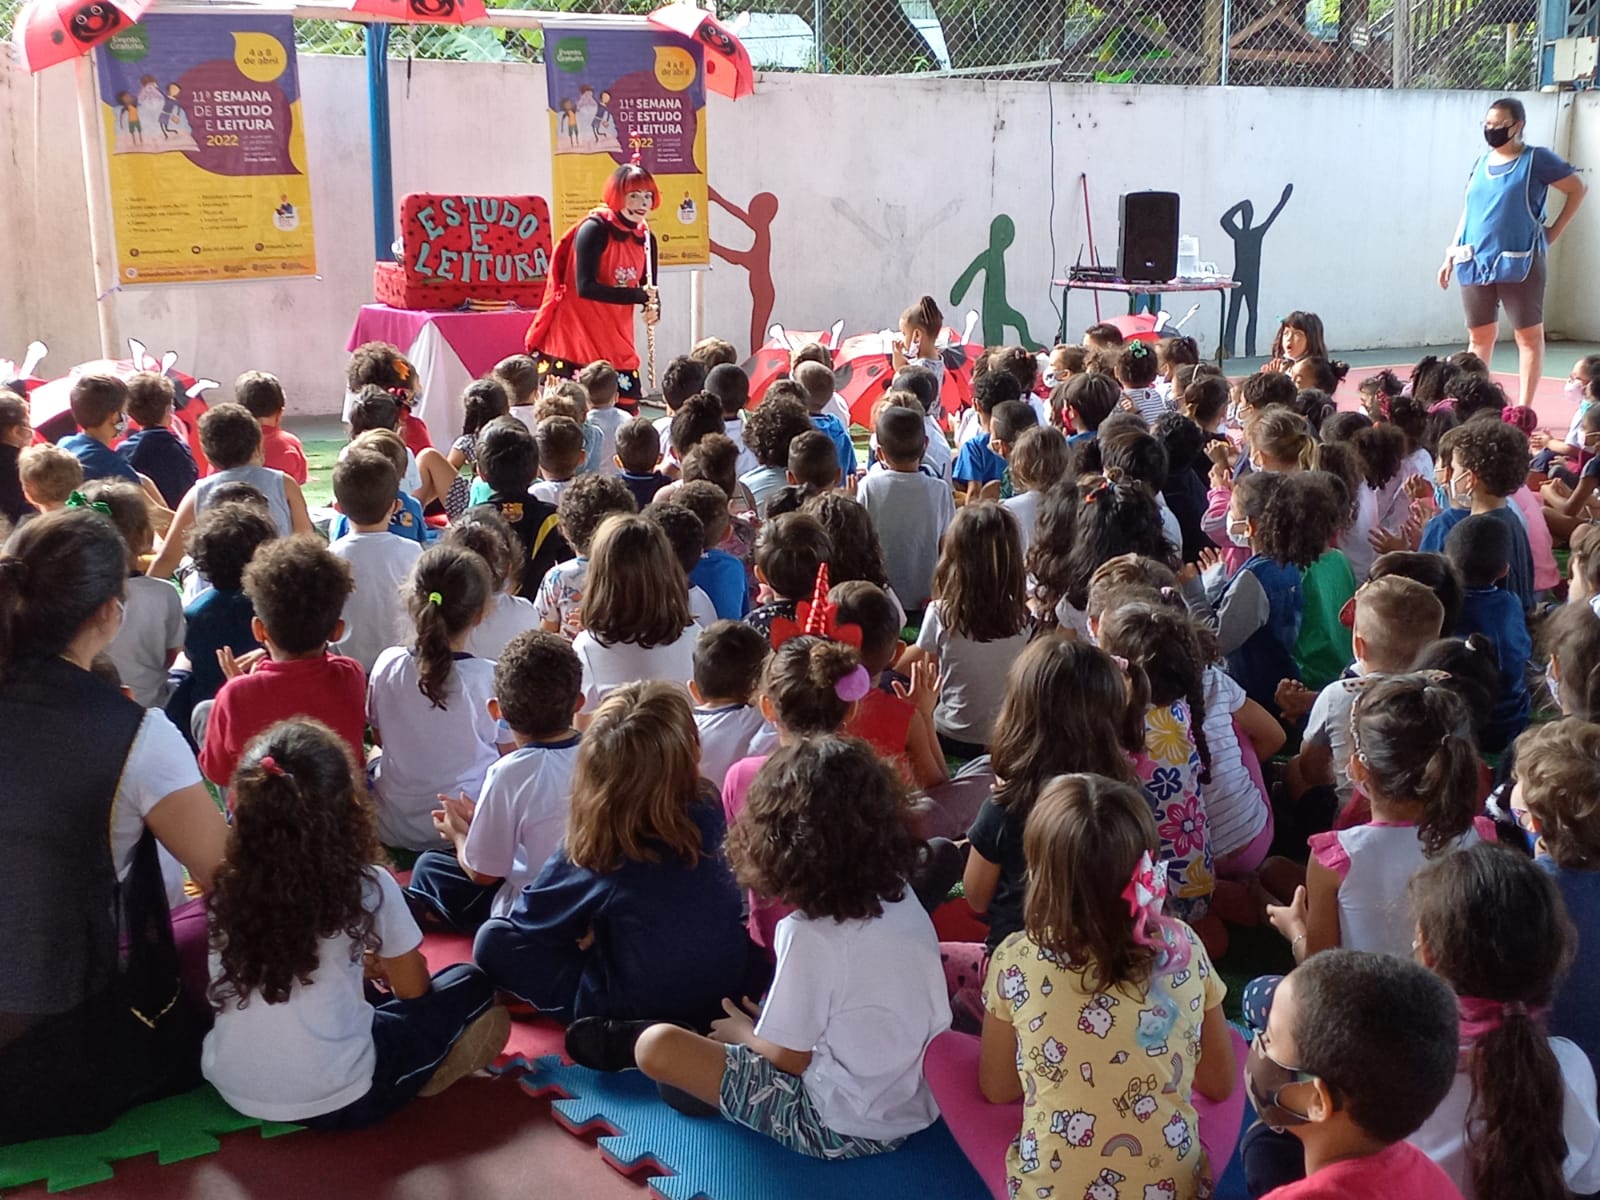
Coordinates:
92	1017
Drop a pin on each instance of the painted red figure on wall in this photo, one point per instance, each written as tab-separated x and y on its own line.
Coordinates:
757	260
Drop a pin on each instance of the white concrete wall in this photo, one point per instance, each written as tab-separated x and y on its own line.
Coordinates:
886	189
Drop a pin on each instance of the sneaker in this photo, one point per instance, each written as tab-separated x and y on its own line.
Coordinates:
604	1044
681	1101
478	1046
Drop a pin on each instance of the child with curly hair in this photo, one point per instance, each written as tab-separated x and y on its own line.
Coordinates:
815	1067
297	908
1137	368
769	428
1481	464
588	501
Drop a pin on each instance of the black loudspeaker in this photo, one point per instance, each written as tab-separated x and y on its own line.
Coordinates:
1147	240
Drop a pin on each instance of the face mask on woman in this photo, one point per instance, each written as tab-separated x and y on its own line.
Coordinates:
1496	135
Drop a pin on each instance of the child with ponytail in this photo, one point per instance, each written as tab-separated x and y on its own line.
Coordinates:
298	905
1413	756
1096	991
428	702
1166	667
918	344
1519	1120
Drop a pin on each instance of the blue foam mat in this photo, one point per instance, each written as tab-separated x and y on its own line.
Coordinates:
712	1159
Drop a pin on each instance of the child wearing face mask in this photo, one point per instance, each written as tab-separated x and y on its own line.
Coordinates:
1581	390
1482	463
1357	1051
1566	508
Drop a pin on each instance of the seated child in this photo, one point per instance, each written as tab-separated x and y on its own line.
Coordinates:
484	531
815	1067
638	451
508	461
1009	421
599	381
500	842
700	417
481	402
910	510
789	549
1133	456
817	380
813	470
1137	369
406	519
895	717
524	385
152	628
561	455
48	475
731	386
298	588
221	543
1395	618
686	536
921	383
1413	758
1358	1050
636	620
377	408
976	624
1118	976
684	377
231	440
728	660
1081	405
296	1037
367	488
428	702
380	365
1066	711
1557	777
262	395
1328	582
1103	336
16	435
719	574
155	452
769	430
636	916
98	402
1480	549
1037	461
1183	492
1483	462
1520	1115
589	501
978	463
712	352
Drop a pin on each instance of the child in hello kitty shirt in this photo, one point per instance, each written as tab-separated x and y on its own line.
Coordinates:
1102	1016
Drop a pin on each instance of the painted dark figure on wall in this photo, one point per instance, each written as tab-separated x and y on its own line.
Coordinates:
1247	237
757	260
997	311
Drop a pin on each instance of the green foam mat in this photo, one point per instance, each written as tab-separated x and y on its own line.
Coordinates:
174	1129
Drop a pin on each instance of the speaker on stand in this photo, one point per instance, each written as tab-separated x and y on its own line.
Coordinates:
1147	237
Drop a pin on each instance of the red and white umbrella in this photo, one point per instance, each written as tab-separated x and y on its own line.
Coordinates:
771	363
423	12
728	69
47	32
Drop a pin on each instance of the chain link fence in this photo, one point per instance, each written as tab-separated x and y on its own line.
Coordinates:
1487	44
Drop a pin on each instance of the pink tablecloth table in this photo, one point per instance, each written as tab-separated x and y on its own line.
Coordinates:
449	350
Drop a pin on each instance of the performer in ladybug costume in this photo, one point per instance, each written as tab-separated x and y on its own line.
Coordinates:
598	274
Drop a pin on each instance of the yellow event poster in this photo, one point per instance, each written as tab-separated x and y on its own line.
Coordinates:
616	93
206	149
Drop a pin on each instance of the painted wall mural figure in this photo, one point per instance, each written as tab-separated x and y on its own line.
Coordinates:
1247	267
757	260
997	312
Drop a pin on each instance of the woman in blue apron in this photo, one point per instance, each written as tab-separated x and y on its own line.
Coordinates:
1499	253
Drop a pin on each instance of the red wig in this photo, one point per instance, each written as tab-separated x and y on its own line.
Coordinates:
630	177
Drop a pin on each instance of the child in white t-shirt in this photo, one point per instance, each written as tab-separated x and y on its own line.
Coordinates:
499	844
428	704
484	531
587	502
816	1067
365	483
728	659
152	628
295	1037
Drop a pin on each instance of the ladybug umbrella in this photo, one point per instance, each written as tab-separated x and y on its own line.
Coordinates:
863	369
771	363
728	69
428	12
47	32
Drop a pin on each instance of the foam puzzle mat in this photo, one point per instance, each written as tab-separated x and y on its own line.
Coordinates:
173	1129
704	1158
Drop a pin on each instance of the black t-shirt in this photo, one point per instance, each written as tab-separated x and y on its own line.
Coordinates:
996	834
534	523
13	503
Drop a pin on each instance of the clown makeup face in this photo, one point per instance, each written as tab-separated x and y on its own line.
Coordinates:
636	206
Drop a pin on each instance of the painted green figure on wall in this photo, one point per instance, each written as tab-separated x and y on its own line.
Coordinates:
997	313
